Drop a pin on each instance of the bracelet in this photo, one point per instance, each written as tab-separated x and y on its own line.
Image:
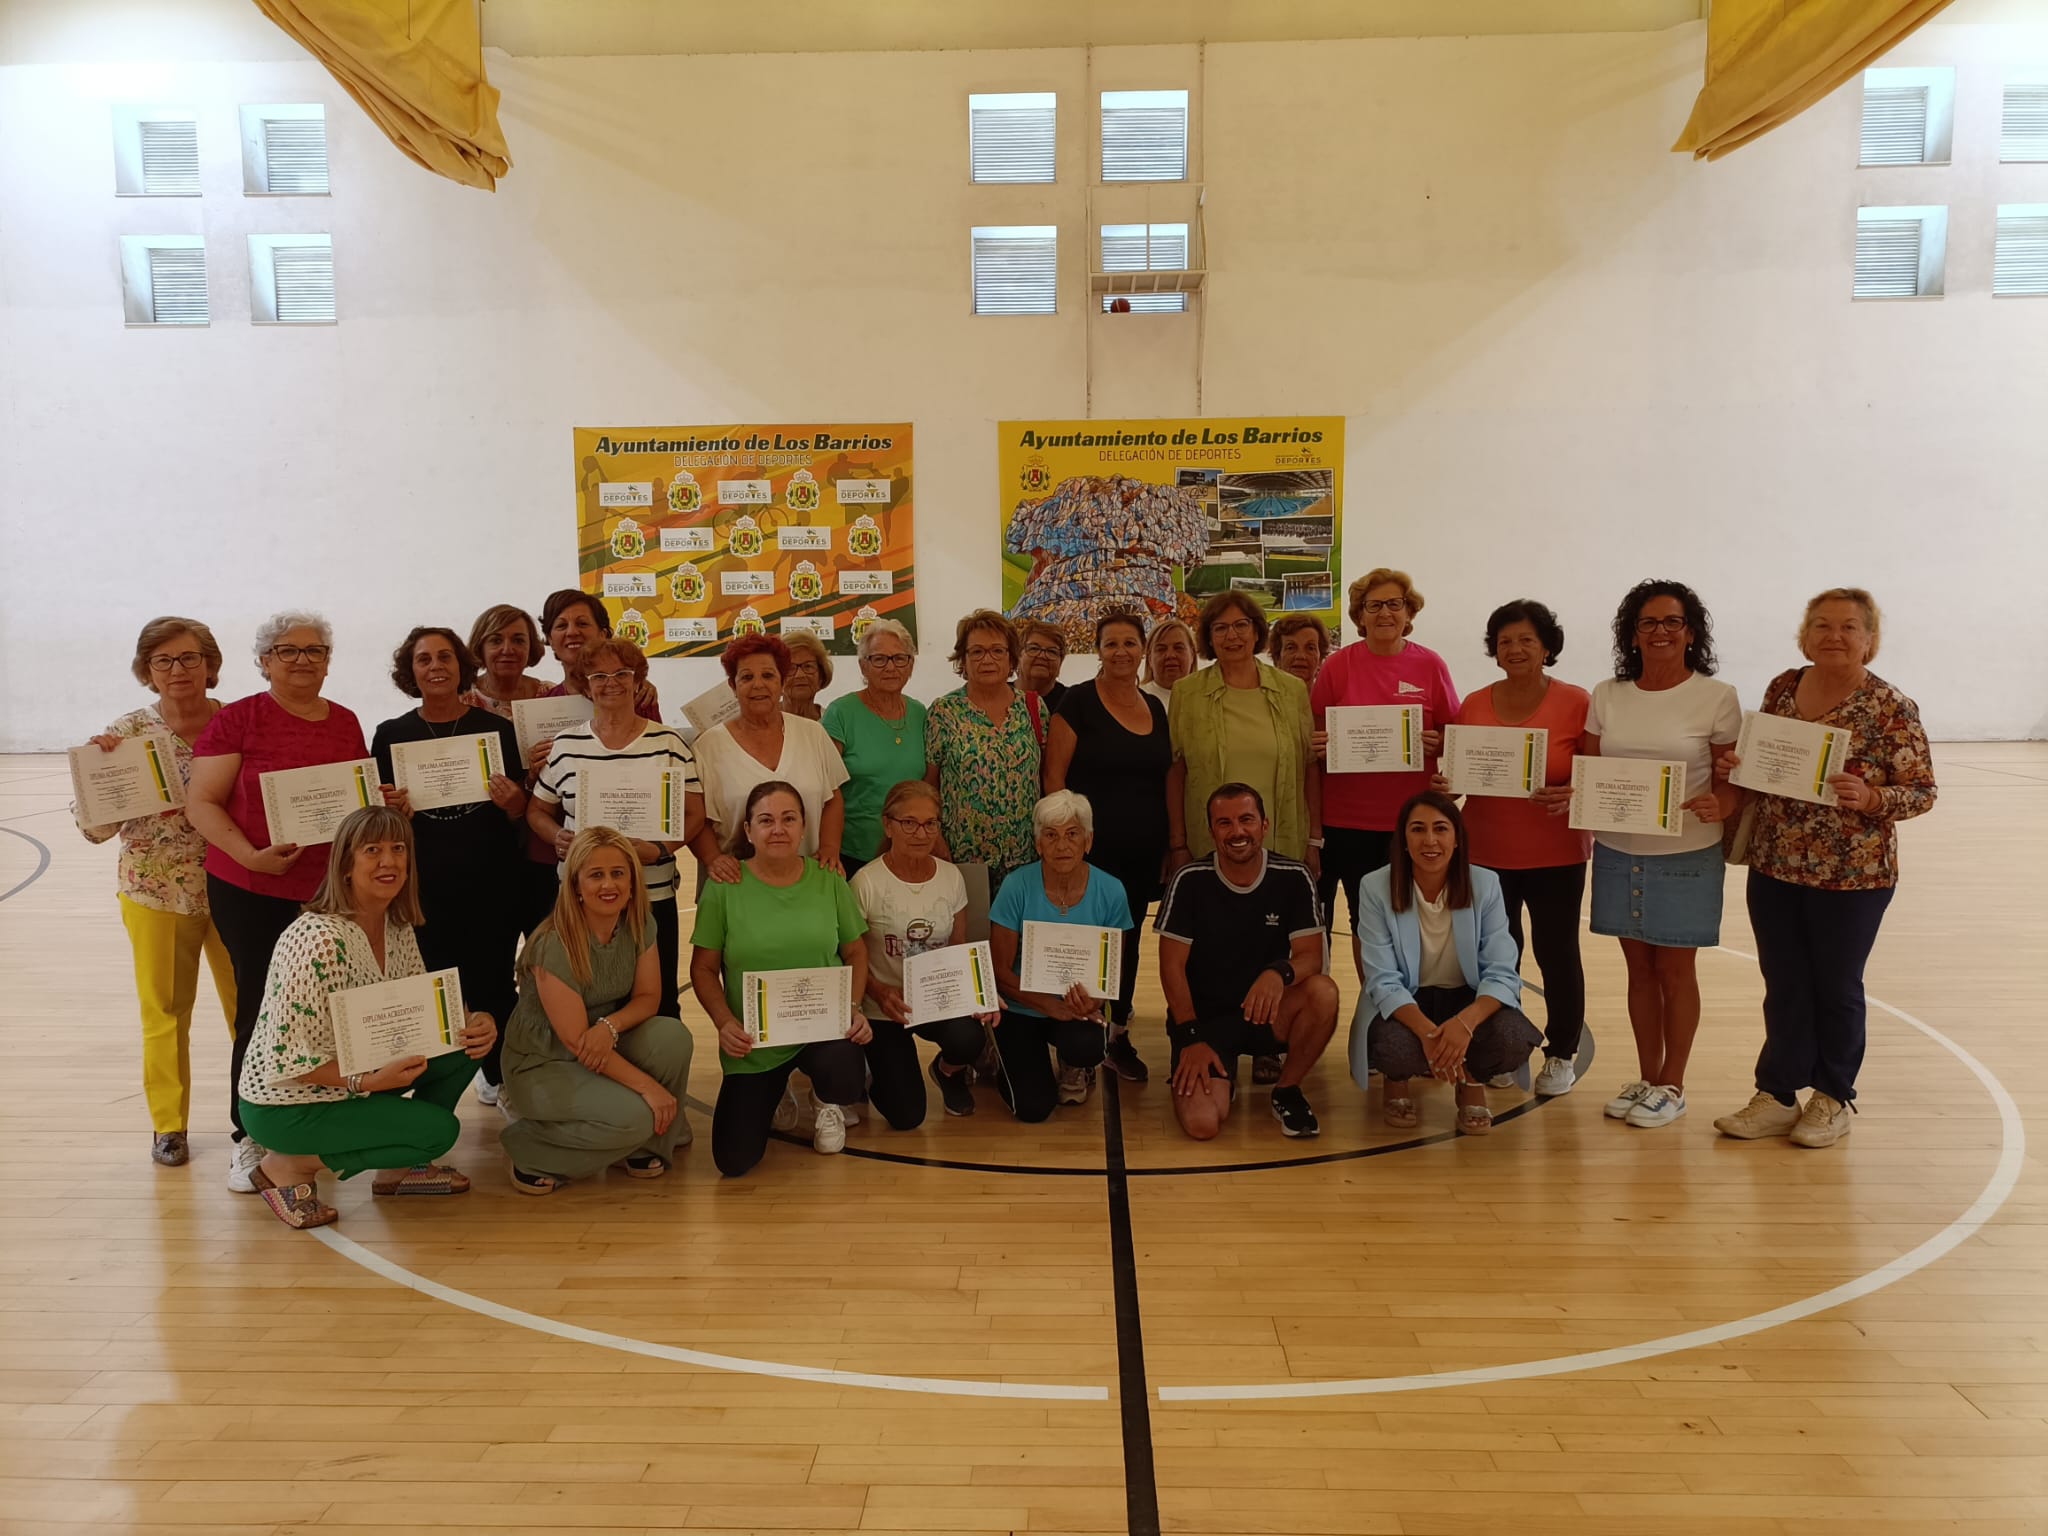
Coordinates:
1315	842
353	1084
608	1024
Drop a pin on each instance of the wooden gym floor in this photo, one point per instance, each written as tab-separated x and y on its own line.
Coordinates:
1086	1326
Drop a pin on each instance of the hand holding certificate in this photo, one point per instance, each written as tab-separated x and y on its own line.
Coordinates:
419	1016
1793	758
797	1007
457	771
307	805
1060	956
712	707
539	720
951	983
641	797
139	777
1374	738
1504	761
1628	794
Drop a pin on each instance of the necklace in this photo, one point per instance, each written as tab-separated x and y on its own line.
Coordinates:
902	714
434	726
1072	901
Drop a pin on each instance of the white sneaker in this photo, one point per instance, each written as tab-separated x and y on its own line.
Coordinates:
1762	1116
242	1160
1824	1122
1555	1080
1501	1080
1075	1083
828	1132
487	1094
1660	1106
1617	1108
787	1114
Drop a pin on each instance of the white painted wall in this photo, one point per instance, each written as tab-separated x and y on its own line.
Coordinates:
1569	358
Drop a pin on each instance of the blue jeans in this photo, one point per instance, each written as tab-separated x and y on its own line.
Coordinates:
1811	946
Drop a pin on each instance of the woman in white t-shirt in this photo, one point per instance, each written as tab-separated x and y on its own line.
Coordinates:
1660	894
761	743
914	902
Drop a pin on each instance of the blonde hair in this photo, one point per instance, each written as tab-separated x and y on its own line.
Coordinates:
804	640
503	616
371	824
1381	576
567	922
906	793
169	627
1160	633
1873	617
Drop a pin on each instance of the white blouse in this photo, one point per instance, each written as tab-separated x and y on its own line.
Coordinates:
810	761
316	957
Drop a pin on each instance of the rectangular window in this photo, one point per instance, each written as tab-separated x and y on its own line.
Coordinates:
2023	127
284	150
163	279
1900	252
1146	248
156	152
1016	269
291	279
2020	267
1908	116
1144	135
1011	137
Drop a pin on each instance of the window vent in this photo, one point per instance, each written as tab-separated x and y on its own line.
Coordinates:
1146	248
163	280
291	279
1016	269
1011	138
2020	267
2023	134
1144	135
1895	126
1900	252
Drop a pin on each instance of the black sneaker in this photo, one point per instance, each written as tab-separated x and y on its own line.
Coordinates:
954	1091
1291	1109
1124	1061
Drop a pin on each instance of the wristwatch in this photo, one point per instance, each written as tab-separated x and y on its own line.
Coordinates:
1284	969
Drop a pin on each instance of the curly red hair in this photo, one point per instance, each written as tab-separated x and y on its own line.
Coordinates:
754	645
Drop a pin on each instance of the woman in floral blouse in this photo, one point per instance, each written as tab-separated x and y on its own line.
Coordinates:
1821	876
162	877
983	743
357	931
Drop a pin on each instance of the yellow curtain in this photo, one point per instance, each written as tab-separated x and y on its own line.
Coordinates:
1769	60
416	66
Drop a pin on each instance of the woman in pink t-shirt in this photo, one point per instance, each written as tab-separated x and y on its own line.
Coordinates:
255	885
1541	861
1383	667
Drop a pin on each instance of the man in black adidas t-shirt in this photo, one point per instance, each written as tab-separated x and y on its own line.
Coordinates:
1241	960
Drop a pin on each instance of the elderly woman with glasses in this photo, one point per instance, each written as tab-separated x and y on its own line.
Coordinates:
162	876
984	744
880	735
1061	887
810	674
613	672
1038	664
256	886
1241	722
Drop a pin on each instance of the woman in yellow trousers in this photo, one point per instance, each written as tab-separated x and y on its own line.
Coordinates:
162	877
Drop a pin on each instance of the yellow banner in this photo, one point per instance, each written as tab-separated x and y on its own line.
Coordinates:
1159	516
693	535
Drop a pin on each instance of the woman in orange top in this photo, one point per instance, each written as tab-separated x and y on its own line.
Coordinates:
1540	860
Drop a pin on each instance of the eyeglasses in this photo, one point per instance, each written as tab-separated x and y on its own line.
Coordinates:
988	652
1042	651
623	676
890	661
805	665
1671	624
1230	627
291	653
184	661
920	827
1386	605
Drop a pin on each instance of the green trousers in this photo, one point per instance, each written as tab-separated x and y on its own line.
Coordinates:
382	1130
574	1123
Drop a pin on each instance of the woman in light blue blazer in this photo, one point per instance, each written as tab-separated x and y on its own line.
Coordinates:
1443	992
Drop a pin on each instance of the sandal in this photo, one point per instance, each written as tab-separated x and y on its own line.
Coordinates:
641	1165
421	1179
1402	1114
297	1206
170	1149
535	1183
1474	1120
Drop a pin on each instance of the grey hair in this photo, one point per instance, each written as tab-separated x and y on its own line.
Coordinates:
1059	808
884	627
278	625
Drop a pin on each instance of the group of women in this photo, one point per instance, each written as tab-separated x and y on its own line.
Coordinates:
1076	801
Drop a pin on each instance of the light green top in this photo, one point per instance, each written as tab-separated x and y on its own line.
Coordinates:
879	754
1225	738
756	926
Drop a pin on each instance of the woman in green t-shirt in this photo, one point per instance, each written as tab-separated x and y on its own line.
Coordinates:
593	1069
785	913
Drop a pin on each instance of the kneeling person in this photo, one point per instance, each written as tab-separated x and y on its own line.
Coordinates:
1242	967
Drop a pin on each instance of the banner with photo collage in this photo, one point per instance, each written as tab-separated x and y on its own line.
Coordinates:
693	535
1160	516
